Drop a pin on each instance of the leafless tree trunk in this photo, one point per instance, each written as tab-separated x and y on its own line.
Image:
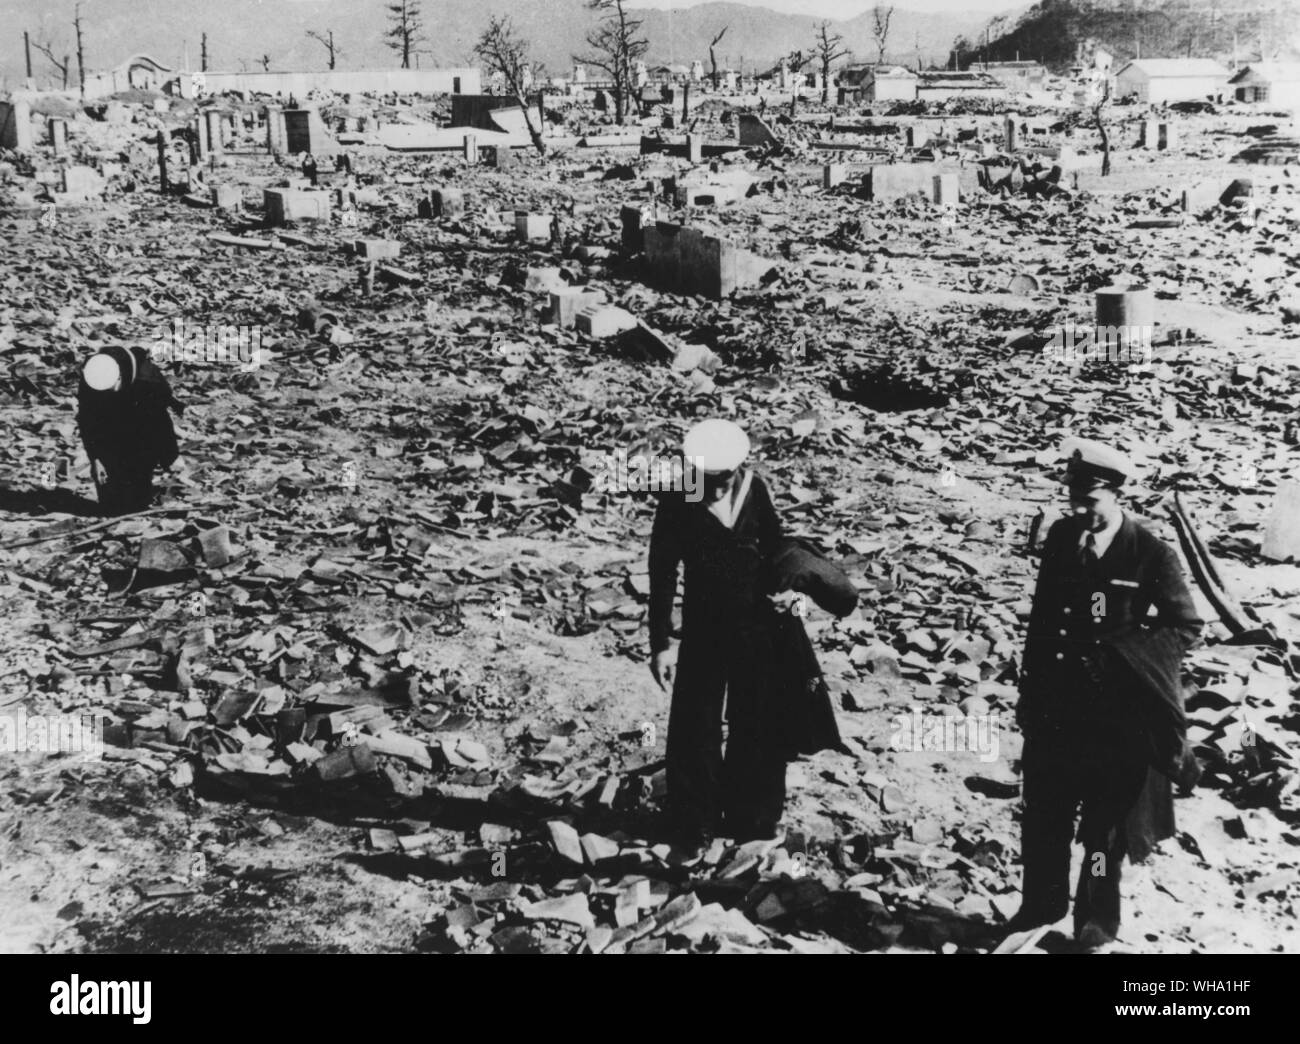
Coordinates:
503	51
617	47
326	38
829	49
880	17
406	28
713	56
203	53
64	66
1101	129
81	53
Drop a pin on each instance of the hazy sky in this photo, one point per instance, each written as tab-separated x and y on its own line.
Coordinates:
847	8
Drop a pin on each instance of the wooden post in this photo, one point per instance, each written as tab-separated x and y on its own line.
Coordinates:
164	184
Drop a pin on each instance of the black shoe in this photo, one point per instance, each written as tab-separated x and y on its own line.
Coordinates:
1092	936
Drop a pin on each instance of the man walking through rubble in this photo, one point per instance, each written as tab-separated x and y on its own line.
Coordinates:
1100	700
122	403
738	645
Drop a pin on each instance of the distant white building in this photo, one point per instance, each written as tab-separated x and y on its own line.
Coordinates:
1271	83
1157	80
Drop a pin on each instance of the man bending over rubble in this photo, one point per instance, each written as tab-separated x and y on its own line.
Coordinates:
122	403
1101	702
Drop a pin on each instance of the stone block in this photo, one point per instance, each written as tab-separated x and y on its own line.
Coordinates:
500	157
834	174
376	249
282	205
227	197
529	227
601	321
81	182
568	302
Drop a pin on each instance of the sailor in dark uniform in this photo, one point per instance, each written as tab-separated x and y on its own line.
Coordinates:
1100	700
739	646
122	404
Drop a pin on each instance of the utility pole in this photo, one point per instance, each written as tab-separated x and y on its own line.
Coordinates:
203	54
81	54
27	49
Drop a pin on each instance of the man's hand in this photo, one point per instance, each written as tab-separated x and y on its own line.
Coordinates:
663	665
100	472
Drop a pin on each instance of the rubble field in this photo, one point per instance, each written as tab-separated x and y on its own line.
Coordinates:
374	671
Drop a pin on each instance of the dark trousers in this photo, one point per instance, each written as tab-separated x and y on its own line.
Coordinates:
129	487
742	793
1103	787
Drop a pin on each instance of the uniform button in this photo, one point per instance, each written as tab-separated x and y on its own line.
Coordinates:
1060	656
1066	610
1063	632
1096	619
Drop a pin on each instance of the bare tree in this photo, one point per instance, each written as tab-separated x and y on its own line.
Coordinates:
326	38
47	48
830	48
713	56
503	51
616	48
1101	129
203	52
880	17
265	61
81	52
406	28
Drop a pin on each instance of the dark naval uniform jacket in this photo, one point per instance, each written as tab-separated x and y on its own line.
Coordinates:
1101	667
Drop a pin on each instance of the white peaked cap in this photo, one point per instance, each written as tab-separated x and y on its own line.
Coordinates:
102	372
716	445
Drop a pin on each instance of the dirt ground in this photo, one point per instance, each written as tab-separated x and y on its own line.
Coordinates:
520	598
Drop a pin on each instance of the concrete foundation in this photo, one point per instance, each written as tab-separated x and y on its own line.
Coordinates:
59	136
897	180
442	203
688	261
304	131
470	148
945	190
276	137
16	125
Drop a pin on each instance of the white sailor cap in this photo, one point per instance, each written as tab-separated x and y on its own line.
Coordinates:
1091	464
102	372
716	445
